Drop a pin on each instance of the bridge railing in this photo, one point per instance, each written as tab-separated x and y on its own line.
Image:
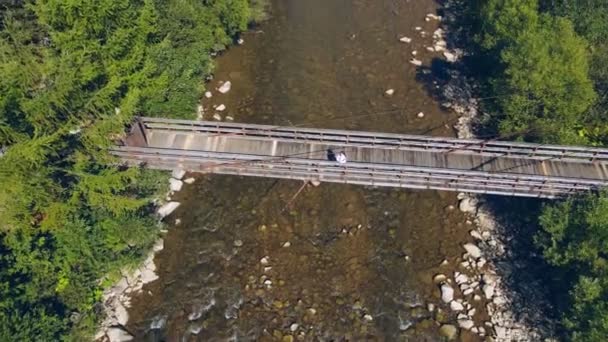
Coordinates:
491	148
358	173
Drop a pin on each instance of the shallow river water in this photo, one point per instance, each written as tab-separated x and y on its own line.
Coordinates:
252	261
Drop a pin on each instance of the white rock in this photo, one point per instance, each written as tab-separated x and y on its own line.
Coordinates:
456	306
468	291
189	180
468	205
414	53
175	184
450	56
447	293
167	209
461	279
264	260
416	62
499	300
225	87
430	307
420	115
159	245
116	334
405	40
418	28
475	234
178	221
471	312
217	117
121	314
221	108
229	118
430	49
315	183
368	317
148	276
208	94
287	244
240	41
390	92
473	250
294	326
466	323
477	298
178	173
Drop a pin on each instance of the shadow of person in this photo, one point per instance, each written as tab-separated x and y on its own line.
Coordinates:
331	155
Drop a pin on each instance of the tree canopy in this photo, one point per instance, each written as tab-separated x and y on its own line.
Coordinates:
74	74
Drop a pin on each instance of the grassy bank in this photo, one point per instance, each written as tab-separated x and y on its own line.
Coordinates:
545	79
74	74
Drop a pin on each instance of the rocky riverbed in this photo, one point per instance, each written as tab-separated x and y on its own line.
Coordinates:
244	260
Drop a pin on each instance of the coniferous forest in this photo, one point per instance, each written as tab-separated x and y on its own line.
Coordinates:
74	73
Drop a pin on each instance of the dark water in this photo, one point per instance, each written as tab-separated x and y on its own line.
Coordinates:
253	261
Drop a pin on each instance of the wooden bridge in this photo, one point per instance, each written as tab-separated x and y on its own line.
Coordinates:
376	159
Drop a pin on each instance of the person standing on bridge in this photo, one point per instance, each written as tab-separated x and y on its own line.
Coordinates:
341	157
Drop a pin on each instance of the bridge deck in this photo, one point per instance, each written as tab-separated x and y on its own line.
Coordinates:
374	158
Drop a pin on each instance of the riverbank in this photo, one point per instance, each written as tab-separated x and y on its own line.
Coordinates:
491	257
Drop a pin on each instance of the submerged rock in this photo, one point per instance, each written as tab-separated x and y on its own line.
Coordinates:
225	87
448	331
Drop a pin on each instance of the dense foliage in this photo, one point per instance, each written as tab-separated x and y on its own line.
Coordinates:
549	79
74	73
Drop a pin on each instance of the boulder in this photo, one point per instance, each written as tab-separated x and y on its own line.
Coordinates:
466	323
456	306
121	314
217	117
416	62
148	275
468	205
450	57
461	278
473	250
389	92
475	234
405	40
159	245
221	108
439	278
208	94
225	87
448	331
488	290
189	180
167	209
175	184
447	293
178	173
116	334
